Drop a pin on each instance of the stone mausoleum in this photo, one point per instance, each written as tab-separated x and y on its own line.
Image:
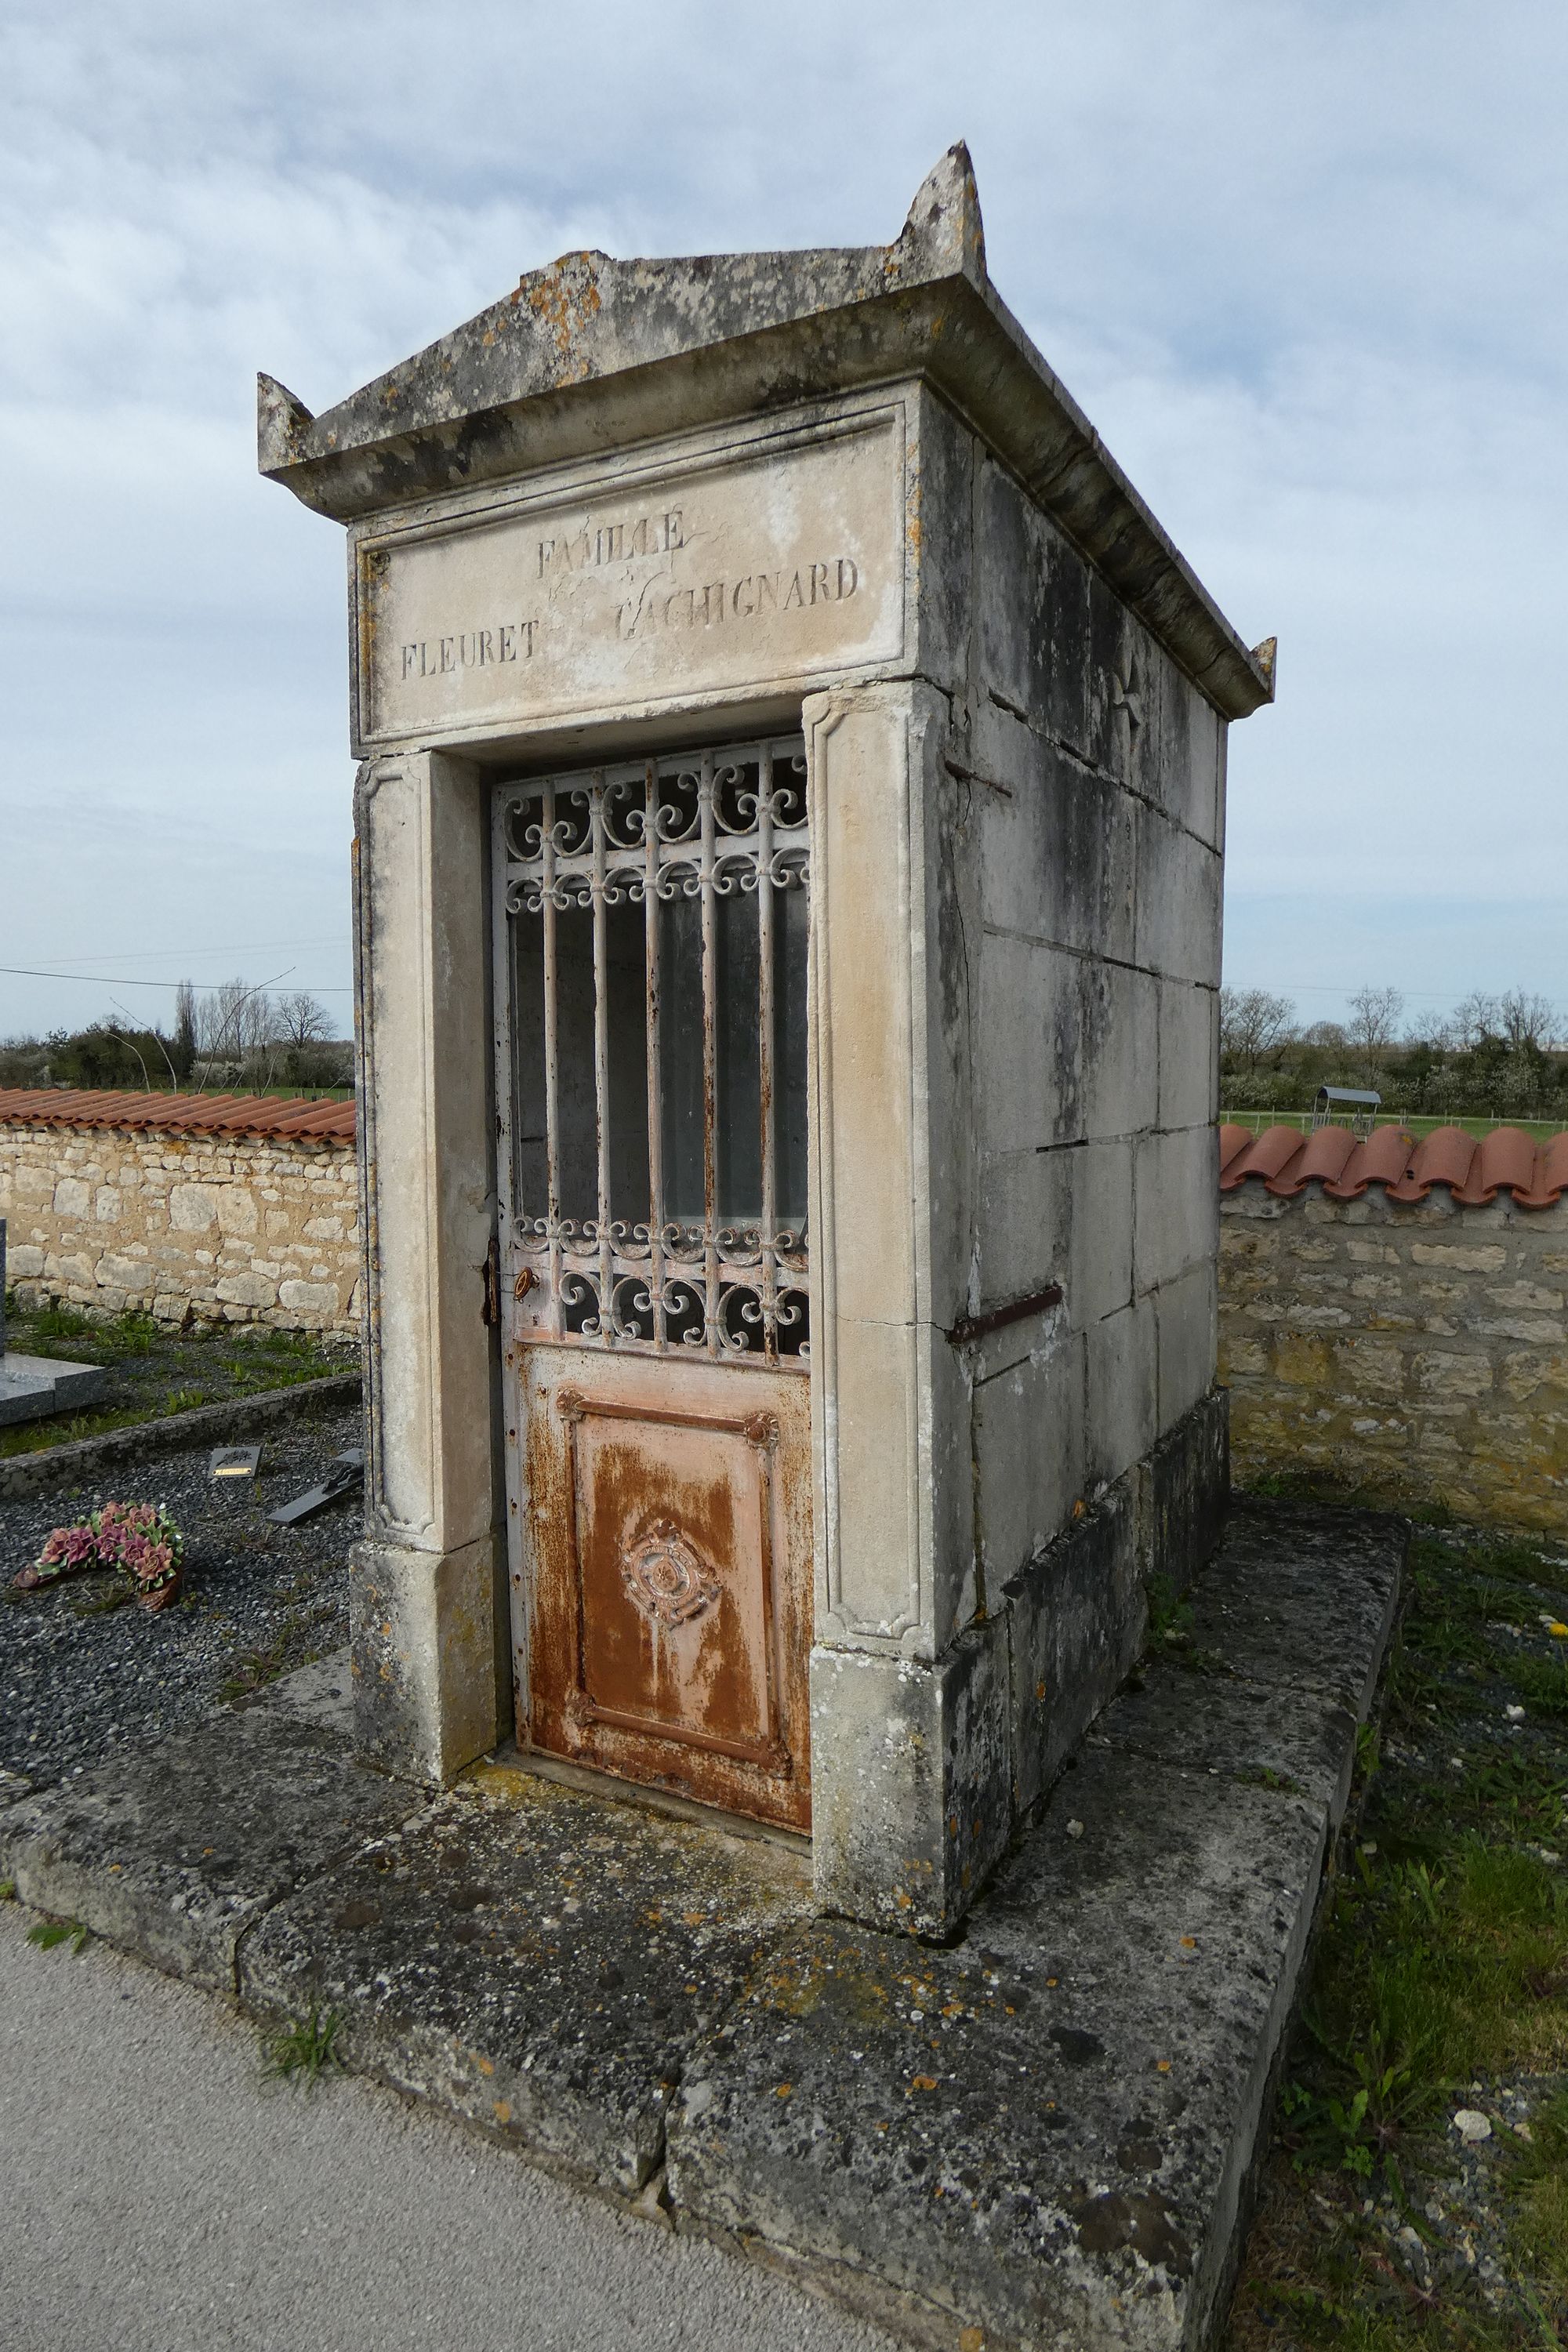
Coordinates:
790	827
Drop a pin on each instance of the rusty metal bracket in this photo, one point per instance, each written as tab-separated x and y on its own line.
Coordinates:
962	775
970	1327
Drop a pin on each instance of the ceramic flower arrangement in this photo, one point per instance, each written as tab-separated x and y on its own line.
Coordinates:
138	1538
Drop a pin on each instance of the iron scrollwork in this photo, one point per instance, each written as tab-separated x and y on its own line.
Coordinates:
725	825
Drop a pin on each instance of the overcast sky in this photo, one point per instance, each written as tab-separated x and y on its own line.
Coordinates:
1301	260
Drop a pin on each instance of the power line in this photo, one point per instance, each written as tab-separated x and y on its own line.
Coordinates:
235	947
107	980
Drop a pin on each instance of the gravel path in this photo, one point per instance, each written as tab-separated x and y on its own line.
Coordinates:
78	1679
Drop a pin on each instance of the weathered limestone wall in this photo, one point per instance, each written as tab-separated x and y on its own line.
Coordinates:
1097	802
1054	1292
245	1229
1418	1351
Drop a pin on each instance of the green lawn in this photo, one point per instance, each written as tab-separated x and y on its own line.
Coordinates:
1440	1987
155	1369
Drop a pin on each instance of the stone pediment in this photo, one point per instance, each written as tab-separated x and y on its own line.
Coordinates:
589	316
592	354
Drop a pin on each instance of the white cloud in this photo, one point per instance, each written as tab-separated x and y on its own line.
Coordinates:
1296	257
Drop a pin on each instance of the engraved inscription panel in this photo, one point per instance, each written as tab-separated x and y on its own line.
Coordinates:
692	580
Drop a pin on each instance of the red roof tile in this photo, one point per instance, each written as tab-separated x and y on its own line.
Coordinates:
1263	1155
1474	1171
1323	1155
1382	1158
273	1115
1233	1141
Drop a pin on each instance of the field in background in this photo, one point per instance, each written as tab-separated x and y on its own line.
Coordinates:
1541	1129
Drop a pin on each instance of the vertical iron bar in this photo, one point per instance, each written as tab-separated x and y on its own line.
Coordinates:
655	1087
551	1067
766	1267
601	1053
709	1057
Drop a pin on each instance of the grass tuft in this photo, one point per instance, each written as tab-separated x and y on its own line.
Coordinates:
302	2052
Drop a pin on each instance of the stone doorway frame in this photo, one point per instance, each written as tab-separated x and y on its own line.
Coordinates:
894	1539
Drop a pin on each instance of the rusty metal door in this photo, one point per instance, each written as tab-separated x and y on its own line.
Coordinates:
651	951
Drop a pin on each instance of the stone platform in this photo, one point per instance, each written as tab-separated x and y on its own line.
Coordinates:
1038	2136
33	1386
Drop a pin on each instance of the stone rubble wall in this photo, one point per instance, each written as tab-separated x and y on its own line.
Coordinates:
244	1229
1418	1352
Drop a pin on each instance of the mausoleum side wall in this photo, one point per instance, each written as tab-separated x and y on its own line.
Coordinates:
1096	804
1417	1351
244	1229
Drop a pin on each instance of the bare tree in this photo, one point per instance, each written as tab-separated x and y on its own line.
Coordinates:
1526	1020
233	1019
1327	1034
300	1020
1252	1023
1476	1016
1373	1024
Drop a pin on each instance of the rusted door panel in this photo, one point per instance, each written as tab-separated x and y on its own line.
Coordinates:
652	926
663	1573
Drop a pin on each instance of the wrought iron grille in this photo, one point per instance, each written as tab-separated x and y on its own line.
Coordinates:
655	1106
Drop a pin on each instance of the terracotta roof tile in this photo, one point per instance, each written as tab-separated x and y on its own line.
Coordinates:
1233	1142
1265	1155
274	1115
1551	1173
1324	1155
1443	1157
1382	1158
1507	1160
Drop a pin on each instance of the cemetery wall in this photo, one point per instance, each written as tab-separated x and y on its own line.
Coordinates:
241	1228
1417	1350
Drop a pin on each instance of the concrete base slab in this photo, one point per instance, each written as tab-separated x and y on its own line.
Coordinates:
1043	2133
1294	1741
33	1386
321	1693
540	1961
1301	1600
175	1852
1038	2136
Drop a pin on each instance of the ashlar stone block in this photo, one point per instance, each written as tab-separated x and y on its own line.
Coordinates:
914	1769
193	1208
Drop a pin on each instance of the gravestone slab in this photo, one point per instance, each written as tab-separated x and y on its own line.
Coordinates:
32	1386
